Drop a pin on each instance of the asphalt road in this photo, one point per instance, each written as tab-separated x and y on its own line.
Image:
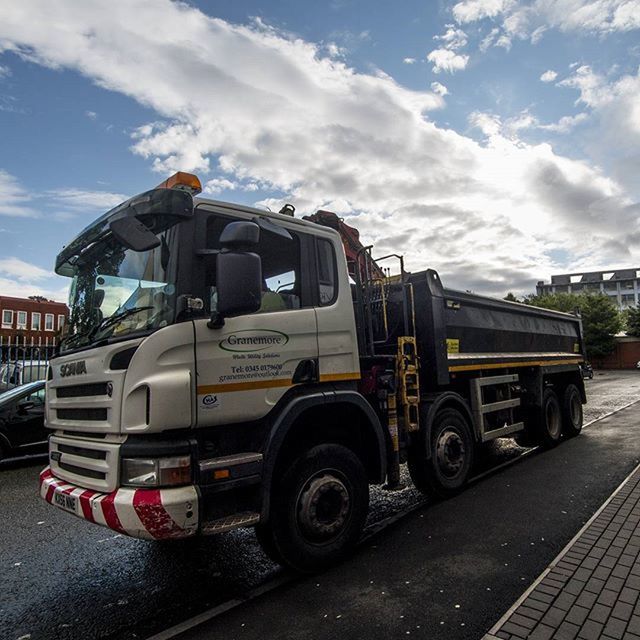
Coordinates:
65	578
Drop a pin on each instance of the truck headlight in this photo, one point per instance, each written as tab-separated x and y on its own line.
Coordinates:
155	472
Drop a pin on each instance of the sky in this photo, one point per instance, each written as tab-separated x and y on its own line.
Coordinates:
496	141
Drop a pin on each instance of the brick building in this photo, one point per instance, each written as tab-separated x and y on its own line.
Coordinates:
33	321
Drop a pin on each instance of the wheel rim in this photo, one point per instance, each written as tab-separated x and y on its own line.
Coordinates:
552	419
323	506
450	452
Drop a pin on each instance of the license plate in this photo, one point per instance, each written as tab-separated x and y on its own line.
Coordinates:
65	501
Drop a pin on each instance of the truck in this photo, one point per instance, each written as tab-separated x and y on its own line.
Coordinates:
225	366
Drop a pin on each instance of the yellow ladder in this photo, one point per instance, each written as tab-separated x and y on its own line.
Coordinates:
409	382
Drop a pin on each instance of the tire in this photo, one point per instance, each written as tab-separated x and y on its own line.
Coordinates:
572	414
549	425
451	446
318	509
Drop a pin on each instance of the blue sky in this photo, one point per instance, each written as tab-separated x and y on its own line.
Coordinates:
494	140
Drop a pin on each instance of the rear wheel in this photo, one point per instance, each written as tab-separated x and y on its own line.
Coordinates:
451	447
572	415
550	422
318	509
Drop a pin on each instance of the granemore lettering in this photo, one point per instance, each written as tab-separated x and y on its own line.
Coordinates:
249	340
255	340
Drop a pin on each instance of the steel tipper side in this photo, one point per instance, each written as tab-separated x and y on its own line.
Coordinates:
488	369
177	411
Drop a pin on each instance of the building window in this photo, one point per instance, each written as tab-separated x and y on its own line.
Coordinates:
60	322
35	321
48	321
22	320
7	318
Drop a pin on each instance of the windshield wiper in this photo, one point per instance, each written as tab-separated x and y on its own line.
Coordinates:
111	320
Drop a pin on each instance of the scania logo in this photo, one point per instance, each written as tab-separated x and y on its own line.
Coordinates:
73	368
254	340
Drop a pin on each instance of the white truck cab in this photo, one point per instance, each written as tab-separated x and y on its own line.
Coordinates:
202	337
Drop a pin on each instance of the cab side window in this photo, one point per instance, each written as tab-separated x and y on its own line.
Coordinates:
327	272
281	277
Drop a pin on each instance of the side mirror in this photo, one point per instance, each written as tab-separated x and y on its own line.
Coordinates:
238	273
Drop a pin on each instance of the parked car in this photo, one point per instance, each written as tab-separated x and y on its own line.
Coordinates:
13	374
22	427
587	370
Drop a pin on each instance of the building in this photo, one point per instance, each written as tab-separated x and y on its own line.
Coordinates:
30	322
621	285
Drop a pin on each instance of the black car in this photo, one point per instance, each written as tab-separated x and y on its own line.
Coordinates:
22	427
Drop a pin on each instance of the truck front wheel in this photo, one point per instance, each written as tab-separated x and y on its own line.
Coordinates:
318	509
451	460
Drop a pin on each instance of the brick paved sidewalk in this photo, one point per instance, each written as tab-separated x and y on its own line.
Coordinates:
591	589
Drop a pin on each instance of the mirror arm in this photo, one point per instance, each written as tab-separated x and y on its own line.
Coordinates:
216	321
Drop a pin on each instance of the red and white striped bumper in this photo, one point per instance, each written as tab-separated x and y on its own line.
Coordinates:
153	514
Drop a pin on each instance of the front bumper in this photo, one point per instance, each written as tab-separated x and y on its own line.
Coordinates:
152	514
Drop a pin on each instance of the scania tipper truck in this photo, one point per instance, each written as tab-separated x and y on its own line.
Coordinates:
225	366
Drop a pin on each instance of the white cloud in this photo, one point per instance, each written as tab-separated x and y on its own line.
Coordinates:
216	185
21	279
548	76
85	200
409	60
453	38
92	115
440	89
472	10
529	20
5	72
447	60
269	110
22	270
14	199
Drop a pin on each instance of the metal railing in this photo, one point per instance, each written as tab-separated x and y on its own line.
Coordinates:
24	360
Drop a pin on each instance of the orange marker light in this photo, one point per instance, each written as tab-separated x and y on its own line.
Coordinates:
221	474
183	182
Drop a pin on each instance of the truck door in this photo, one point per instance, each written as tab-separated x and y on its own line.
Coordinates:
245	367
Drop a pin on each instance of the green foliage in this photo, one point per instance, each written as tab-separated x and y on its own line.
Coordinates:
632	321
510	297
600	317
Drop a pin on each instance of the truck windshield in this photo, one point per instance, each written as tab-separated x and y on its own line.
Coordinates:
117	291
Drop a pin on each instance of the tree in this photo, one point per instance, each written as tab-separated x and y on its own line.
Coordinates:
632	321
601	319
510	297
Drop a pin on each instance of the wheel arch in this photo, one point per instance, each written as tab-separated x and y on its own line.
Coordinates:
304	423
446	400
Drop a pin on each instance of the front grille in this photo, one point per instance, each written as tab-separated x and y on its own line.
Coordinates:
82	414
81	471
85	463
83	390
82	451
